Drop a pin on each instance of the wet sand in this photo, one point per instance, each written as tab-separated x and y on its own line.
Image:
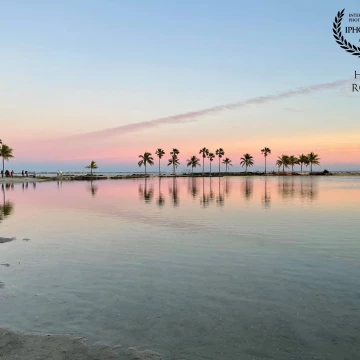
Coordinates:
19	180
15	346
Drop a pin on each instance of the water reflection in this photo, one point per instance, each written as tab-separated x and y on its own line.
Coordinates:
220	196
304	188
93	188
227	186
7	207
205	197
173	190
211	192
248	188
214	191
161	198
192	187
146	192
286	187
266	198
309	190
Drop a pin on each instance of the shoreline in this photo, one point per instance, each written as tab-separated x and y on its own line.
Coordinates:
19	179
33	346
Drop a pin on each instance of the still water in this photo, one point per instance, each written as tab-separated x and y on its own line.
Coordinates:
195	269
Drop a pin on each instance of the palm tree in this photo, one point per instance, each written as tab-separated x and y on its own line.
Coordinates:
6	153
247	160
146	159
211	157
92	166
227	162
303	159
266	151
293	160
312	159
174	159
160	153
220	153
205	152
193	162
283	161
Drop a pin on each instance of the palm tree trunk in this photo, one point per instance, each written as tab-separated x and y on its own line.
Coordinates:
246	168
210	168
301	166
192	171
91	171
283	168
219	165
145	168
159	166
310	167
265	164
292	168
203	166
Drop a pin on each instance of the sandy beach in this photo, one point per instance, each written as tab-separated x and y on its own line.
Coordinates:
15	346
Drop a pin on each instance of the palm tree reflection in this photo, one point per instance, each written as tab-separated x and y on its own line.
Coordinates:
211	194
161	199
309	188
286	187
192	186
220	197
266	198
205	199
7	207
145	193
93	188
227	186
174	193
248	187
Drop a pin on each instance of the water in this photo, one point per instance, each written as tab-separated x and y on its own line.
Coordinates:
222	268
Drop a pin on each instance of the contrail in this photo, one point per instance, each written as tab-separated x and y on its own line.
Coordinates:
194	115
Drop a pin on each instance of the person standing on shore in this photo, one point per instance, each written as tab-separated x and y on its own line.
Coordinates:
22	173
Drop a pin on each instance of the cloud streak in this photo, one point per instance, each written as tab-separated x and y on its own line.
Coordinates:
195	115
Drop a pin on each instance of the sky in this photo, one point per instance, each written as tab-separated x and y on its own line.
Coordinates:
85	80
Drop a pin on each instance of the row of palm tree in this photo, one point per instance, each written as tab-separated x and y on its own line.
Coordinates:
6	153
147	159
285	161
247	160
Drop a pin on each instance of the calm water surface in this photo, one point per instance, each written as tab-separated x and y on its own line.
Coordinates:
222	268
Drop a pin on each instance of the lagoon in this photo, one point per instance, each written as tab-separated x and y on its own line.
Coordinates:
192	268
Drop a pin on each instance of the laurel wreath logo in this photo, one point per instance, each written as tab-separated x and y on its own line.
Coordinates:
352	49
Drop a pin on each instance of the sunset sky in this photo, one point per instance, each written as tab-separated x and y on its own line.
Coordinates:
69	68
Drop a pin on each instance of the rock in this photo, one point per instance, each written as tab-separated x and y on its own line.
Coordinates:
4	239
